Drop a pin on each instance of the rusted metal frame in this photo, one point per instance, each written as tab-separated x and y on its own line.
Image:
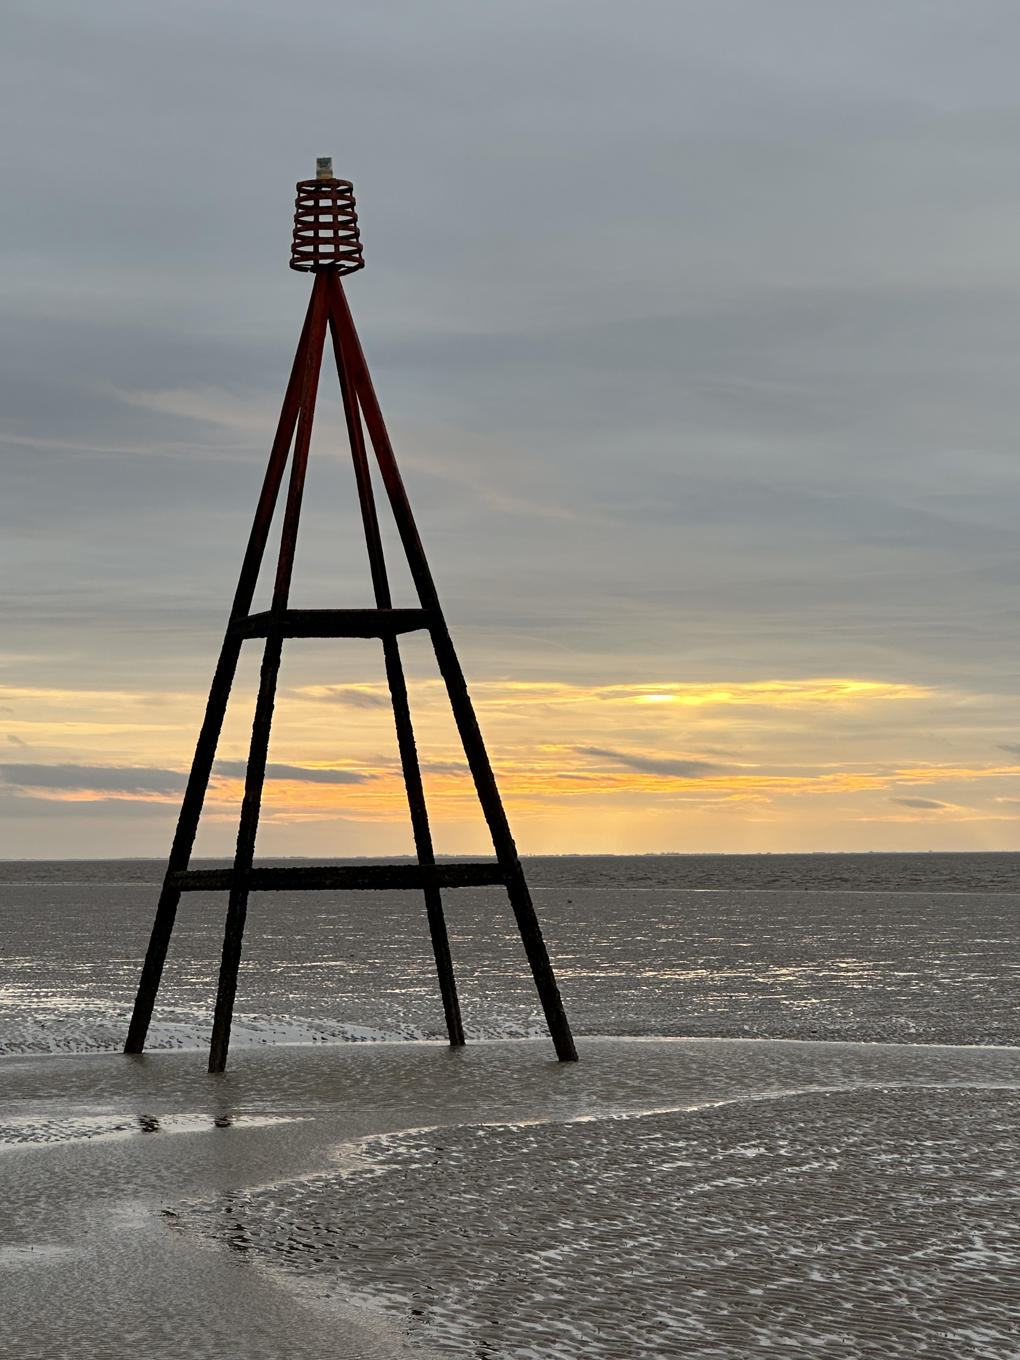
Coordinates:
362	473
344	877
216	706
397	684
362	384
261	726
274	476
326	232
460	701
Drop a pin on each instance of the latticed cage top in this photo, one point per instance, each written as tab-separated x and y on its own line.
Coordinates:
326	227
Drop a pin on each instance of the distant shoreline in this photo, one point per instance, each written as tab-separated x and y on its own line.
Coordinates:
889	871
560	855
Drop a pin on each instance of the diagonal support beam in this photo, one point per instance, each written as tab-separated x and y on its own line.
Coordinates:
258	752
406	743
216	706
456	686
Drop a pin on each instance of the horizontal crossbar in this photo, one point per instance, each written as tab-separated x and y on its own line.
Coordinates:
333	623
342	876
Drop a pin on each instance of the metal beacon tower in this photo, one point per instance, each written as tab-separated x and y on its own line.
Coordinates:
327	245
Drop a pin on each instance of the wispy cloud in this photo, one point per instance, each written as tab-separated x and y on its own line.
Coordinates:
355	696
131	779
302	774
764	693
808	693
928	803
246	411
105	778
104	810
487	466
682	767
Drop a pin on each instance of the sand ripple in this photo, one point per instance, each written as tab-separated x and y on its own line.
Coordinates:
873	1224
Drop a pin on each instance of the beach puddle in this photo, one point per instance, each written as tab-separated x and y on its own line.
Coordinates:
34	1131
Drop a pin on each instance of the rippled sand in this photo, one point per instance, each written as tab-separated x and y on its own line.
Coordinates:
877	1223
686	1197
706	1197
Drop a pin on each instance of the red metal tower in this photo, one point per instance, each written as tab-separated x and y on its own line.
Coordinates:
327	244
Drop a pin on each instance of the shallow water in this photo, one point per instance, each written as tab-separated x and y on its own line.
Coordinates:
722	1197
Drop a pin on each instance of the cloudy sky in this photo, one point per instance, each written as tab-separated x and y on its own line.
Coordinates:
697	323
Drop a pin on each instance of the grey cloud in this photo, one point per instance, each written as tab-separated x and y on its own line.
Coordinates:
1012	747
105	810
237	769
817	477
110	778
918	802
688	769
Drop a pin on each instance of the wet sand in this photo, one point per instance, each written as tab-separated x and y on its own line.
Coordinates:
694	1196
683	1197
660	959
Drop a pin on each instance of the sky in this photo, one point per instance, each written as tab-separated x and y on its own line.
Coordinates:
697	328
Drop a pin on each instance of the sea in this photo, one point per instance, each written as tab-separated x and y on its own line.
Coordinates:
792	1130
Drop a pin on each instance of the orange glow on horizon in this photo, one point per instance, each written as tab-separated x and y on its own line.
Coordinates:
648	759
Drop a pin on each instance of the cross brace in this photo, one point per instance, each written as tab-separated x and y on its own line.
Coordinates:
334	623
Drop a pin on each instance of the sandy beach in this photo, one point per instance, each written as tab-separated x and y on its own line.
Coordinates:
671	1194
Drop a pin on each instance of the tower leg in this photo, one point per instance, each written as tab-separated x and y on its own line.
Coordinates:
444	966
423	840
233	936
262	724
216	706
152	969
237	908
187	826
395	677
503	843
467	724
